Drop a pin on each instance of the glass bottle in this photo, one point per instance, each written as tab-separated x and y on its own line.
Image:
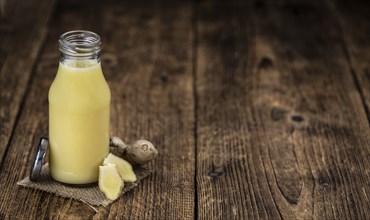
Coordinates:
79	106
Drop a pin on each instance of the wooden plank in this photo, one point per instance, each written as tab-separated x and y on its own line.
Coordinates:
18	202
281	129
354	21
21	36
154	99
147	62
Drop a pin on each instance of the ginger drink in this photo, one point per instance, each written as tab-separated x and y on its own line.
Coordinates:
79	106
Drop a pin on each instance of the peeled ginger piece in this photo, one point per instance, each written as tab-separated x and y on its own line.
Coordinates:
110	182
124	168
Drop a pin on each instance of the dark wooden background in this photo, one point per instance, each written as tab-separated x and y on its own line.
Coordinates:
260	109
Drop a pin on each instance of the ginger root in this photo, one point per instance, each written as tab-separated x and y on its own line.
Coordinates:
138	153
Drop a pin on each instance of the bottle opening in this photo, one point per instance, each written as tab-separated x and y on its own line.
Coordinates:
80	44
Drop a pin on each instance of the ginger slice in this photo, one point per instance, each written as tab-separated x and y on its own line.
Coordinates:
124	168
110	182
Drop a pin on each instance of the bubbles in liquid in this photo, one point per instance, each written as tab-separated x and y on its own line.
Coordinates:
79	63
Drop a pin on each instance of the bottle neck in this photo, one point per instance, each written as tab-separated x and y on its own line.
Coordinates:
79	48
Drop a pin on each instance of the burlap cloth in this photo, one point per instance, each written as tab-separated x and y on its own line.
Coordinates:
90	195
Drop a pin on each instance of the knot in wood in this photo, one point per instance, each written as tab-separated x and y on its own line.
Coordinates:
297	118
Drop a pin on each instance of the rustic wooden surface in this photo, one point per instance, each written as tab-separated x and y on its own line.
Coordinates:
260	109
356	43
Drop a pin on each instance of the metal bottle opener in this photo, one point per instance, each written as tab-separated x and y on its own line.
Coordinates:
42	149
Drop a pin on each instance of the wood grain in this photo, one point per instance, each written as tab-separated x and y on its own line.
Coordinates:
281	128
21	37
354	20
147	62
152	95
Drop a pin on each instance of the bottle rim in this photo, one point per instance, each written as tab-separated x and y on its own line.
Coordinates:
79	43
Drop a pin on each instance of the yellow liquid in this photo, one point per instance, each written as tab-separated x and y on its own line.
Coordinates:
79	100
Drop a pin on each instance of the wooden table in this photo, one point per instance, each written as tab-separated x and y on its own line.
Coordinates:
259	109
